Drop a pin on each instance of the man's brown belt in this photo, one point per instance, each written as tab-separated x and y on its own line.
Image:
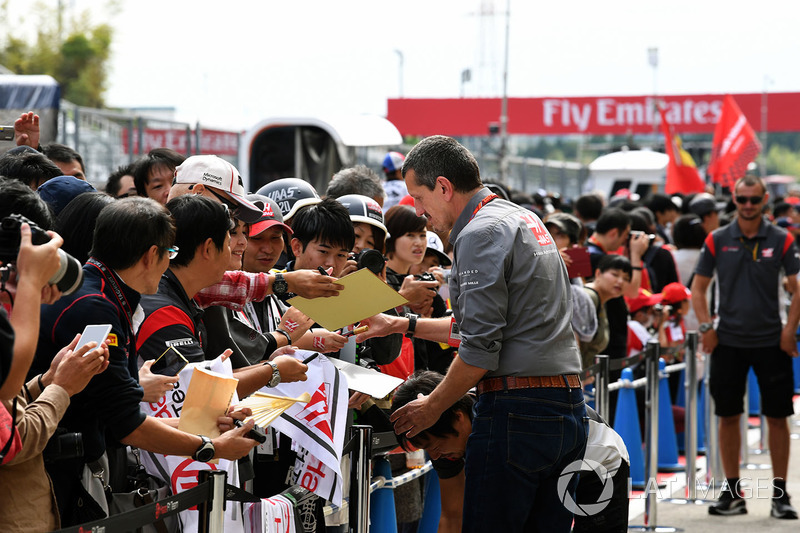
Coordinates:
566	381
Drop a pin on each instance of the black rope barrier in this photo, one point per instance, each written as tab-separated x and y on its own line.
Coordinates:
147	514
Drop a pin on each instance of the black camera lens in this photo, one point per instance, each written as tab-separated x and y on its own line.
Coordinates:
370	259
69	276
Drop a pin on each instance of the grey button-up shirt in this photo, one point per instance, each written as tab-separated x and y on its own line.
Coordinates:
510	293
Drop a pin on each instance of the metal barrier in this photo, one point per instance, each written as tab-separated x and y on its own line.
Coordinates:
208	495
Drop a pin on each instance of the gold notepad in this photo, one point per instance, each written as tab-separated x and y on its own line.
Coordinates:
364	295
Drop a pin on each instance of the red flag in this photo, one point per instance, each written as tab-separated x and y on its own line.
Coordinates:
682	175
734	147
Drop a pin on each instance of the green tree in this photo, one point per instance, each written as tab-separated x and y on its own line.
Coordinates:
75	52
783	160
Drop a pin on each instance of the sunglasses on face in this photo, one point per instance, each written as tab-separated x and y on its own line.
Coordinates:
754	200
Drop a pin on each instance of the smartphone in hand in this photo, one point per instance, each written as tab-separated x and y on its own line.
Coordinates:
169	363
94	332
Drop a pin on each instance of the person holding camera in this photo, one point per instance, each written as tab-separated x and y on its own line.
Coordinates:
26	271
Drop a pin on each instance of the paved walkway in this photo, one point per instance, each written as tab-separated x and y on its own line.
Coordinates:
694	517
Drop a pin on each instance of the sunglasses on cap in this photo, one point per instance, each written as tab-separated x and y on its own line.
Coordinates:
754	200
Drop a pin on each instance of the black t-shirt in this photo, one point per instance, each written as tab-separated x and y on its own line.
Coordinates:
6	346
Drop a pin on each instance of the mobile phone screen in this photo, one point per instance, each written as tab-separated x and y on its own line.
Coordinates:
169	363
94	332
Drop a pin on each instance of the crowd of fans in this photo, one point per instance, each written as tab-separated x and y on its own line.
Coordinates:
175	249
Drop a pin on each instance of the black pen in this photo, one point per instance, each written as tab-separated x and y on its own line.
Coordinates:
310	358
322	271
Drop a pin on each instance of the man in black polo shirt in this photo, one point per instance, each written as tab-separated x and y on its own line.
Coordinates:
749	256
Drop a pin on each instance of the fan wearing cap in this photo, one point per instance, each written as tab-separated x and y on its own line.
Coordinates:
705	206
641	320
676	301
213	177
393	186
368	225
429	355
291	195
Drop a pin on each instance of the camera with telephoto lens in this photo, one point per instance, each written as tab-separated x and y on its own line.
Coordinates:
69	276
63	445
370	259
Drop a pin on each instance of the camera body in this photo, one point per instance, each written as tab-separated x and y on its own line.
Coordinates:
69	276
370	259
659	308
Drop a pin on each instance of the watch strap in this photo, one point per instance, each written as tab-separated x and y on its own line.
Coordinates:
412	325
285	334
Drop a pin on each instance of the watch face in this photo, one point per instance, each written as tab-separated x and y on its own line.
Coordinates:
279	286
206	454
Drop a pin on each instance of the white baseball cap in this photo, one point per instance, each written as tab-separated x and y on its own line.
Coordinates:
214	172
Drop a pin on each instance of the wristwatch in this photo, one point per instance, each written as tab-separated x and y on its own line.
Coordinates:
705	326
412	324
279	286
206	451
276	374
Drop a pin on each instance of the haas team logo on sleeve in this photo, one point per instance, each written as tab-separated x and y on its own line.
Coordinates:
533	223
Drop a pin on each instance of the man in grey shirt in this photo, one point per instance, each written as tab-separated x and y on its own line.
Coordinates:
512	307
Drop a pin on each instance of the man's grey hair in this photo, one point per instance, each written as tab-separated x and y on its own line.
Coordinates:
359	179
443	156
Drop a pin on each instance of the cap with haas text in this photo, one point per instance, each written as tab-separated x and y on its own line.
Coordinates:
213	171
393	161
291	194
270	215
436	247
644	299
675	293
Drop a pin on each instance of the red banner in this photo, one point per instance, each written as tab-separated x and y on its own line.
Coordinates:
602	115
682	175
211	141
735	145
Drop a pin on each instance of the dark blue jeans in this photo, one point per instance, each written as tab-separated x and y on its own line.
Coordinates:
521	441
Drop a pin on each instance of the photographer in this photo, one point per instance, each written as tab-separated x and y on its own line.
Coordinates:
25	275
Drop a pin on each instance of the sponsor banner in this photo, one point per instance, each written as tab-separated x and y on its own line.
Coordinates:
211	141
596	115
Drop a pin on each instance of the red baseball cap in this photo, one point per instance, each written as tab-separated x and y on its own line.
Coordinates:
270	215
644	299
674	293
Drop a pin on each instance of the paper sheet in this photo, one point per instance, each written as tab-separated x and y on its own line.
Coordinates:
364	295
365	380
207	398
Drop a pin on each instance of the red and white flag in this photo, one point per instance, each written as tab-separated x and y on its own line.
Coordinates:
734	147
316	428
682	175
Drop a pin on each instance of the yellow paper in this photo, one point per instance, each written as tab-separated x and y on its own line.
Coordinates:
364	295
208	397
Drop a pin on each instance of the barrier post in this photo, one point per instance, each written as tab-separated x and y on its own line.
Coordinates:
714	474
651	434
211	513
690	424
360	476
744	426
601	387
653	352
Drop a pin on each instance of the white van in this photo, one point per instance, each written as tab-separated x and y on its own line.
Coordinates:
642	172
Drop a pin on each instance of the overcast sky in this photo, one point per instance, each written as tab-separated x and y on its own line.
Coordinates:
231	64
